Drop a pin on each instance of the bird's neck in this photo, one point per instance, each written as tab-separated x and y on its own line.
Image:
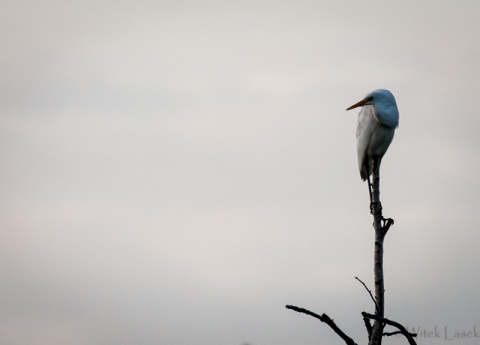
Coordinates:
387	115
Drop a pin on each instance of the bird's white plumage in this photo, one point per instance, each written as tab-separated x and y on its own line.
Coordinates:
376	125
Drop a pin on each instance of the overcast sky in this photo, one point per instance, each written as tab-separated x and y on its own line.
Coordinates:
176	172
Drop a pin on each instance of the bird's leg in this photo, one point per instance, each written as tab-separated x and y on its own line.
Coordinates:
370	194
386	222
374	187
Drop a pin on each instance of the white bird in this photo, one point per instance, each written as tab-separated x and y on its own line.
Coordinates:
375	128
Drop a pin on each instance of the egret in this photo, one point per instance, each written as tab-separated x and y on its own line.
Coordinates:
376	125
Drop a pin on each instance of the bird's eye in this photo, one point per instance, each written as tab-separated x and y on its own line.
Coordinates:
370	98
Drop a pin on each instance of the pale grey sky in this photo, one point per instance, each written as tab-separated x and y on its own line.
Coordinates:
176	172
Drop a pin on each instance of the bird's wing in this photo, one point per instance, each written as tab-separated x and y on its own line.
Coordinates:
366	125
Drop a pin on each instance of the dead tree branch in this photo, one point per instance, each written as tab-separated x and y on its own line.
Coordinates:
381	226
369	292
389	334
326	319
401	329
368	325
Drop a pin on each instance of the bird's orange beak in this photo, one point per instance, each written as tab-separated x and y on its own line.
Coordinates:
358	104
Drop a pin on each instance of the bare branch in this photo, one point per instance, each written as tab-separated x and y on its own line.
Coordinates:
368	325
402	329
370	292
380	232
324	318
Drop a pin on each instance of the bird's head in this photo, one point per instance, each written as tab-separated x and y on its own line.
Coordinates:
375	97
384	104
